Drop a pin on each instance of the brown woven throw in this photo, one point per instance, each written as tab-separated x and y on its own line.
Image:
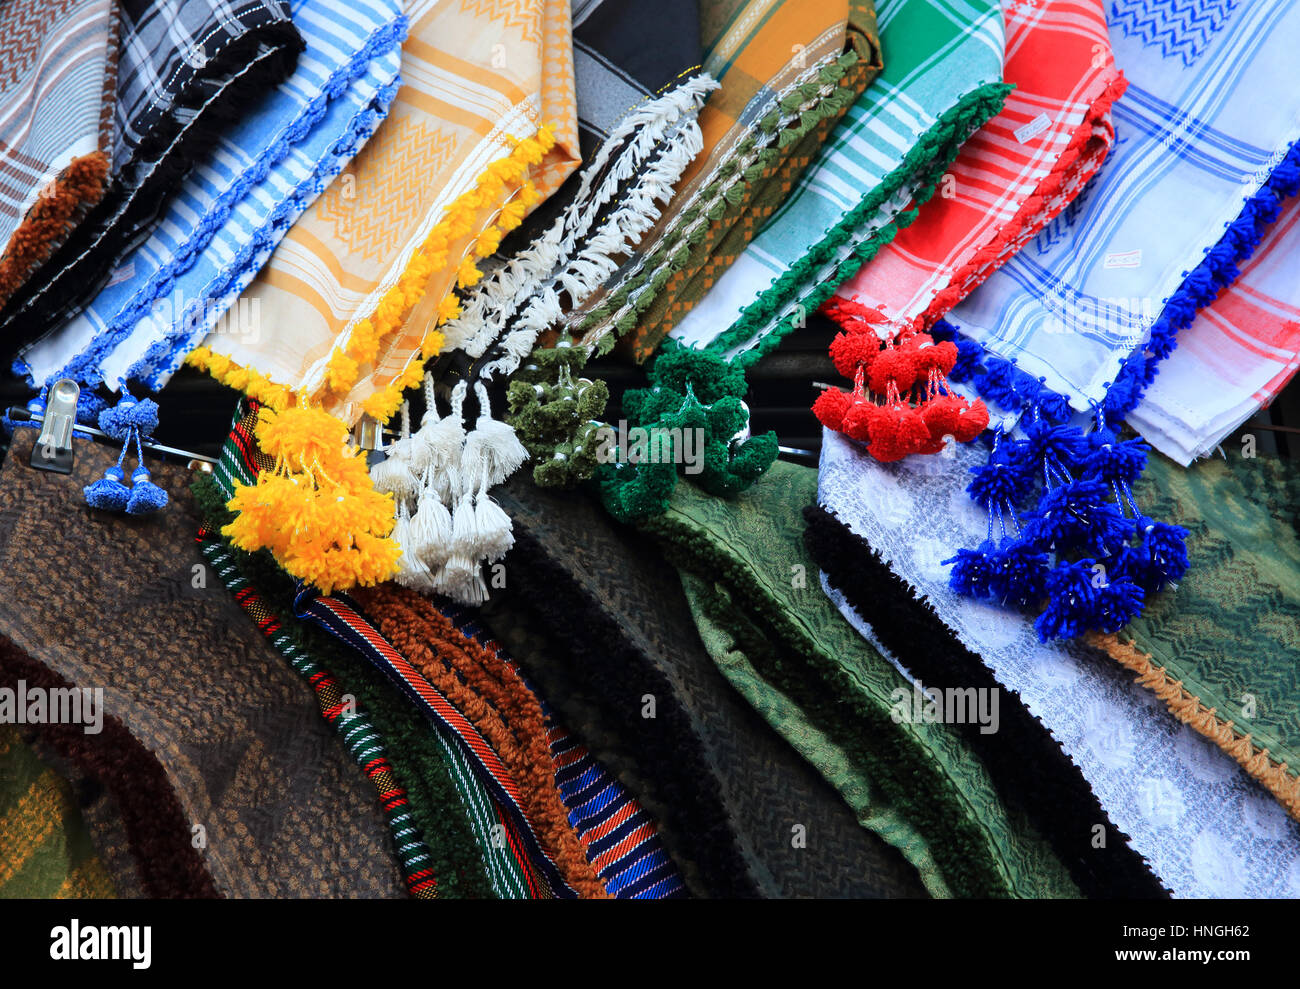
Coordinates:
207	727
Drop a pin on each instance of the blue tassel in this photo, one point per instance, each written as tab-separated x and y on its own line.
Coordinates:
1112	461
108	493
972	571
1064	444
1119	600
146	497
1076	514
1071	599
1162	556
1002	481
1018	575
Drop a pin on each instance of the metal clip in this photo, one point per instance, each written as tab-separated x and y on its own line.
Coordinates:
369	436
53	449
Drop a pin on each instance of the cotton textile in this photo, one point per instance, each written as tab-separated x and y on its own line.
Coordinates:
1205	828
941	81
1013	176
1238	355
255	180
58	72
438	184
186	69
1195	145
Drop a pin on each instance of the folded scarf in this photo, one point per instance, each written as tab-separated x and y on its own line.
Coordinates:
756	139
940	83
780	642
186	70
1222	653
1011	178
1198	168
787	73
482	129
1204	828
45	849
58	70
489	691
597	620
225	777
230	212
435	759
644	104
1235	358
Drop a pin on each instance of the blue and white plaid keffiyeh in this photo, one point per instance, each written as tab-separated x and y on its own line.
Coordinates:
237	203
1205	148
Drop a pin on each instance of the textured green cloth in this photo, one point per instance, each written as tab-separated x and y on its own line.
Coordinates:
45	849
1231	632
777	638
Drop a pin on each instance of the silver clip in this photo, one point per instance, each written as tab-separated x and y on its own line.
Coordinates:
368	434
53	449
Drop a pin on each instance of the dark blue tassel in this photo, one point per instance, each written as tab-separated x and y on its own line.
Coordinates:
972	571
1018	575
1161	558
1071	599
1115	461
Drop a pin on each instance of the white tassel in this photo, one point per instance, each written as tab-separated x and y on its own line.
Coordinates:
431	530
462	581
464	528
495	535
492	451
394	476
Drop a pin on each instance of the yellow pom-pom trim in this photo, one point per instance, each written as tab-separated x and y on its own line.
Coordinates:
251	382
393	308
317	511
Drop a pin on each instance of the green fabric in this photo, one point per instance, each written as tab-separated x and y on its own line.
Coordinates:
774	634
1231	632
45	848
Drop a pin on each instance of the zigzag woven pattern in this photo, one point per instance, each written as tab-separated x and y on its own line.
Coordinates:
1179	28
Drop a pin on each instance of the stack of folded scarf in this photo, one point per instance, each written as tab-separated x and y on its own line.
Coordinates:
186	70
1077	745
255	179
1068	335
941	82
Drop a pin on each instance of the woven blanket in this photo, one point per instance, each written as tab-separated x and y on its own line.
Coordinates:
1012	177
187	69
45	848
58	72
772	632
1199	166
256	179
482	129
1202	825
597	620
1238	355
211	745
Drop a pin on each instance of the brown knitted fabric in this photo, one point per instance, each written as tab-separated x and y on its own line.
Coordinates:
217	731
495	700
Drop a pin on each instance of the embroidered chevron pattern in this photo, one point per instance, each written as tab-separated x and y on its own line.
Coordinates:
523	16
1061	224
24	25
387	187
1179	28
